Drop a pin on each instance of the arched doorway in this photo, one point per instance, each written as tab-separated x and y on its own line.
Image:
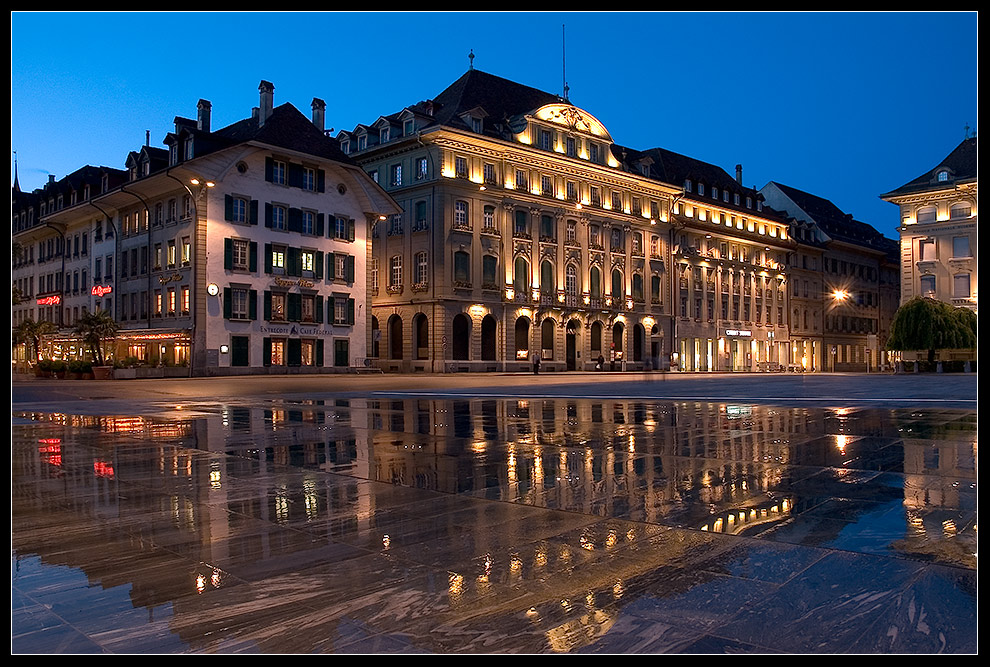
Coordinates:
461	337
395	337
618	334
571	344
376	338
639	341
548	330
489	331
421	336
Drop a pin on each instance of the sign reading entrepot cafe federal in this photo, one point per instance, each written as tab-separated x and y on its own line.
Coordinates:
295	330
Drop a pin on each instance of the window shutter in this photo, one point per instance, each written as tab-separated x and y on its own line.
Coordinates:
350	311
294	262
269	168
228	254
349	264
331	266
294	305
228	207
318	265
319	352
319	224
227	304
253	256
318	303
295	220
254	211
268	214
321	180
268	258
266	351
268	307
350	230
295	175
253	304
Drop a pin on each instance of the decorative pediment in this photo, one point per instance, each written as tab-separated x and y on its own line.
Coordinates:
573	119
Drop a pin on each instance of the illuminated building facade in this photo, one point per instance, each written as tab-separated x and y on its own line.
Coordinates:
240	250
938	239
844	284
528	232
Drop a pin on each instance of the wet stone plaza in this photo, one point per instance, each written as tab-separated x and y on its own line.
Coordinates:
434	522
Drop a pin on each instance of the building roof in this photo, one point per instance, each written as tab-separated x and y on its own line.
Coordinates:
960	163
287	128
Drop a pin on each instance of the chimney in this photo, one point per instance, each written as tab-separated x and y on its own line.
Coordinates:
319	113
267	91
203	108
147	137
739	174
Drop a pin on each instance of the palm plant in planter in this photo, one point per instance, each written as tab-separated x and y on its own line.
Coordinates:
30	333
95	329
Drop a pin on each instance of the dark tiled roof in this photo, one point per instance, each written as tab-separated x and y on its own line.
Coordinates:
961	163
287	128
500	98
833	221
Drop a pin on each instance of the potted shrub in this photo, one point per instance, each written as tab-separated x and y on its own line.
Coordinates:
58	369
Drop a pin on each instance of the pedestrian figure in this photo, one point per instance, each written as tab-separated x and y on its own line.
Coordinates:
601	363
536	364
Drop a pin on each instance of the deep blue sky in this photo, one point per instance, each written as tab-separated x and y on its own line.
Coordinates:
846	106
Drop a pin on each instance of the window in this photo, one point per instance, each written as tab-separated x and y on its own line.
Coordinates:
308	223
928	286
616	201
239	254
395	273
343	309
571	191
942	176
408	127
308	261
960	210
460	214
171	301
489	217
701	188
171	254
157	266
279	215
571	147
278	260
278	307
546	140
521	181
186	251
489	173
383	135
172	212
277	357
594	153
343	229
571	231
341	267
960	246
395	225
546	186
548	230
158	303
462	268
595	195
278	172
307	309
185	299
420	168
239	303
396	175
374	275
422	268
926	215
489	271
960	286
460	167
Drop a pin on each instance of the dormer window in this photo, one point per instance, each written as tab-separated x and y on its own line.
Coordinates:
687	185
701	189
749	202
725	196
546	140
383	135
189	149
345	146
409	127
476	125
942	176
362	142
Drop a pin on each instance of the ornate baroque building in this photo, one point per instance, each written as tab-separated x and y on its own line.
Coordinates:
527	231
938	230
239	250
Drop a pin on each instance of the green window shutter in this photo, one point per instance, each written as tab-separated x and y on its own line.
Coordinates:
349	264
266	352
321	180
331	266
268	258
319	352
350	311
254	212
268	306
269	168
228	254
227	305
253	256
295	175
350	230
294	262
320	224
268	214
295	220
318	265
294	306
318	302
253	304
228	207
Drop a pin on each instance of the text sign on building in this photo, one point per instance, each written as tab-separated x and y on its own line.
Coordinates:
738	332
53	300
101	290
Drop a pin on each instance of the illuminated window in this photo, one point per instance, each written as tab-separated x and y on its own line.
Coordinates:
460	167
308	260
278	312
278	260
278	352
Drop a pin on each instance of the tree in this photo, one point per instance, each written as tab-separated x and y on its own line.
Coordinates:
30	333
927	324
95	329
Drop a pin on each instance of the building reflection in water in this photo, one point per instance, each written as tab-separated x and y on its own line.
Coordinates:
241	487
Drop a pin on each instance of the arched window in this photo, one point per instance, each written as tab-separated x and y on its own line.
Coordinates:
596	337
570	280
595	280
547	332
960	210
617	291
637	286
926	214
547	282
520	277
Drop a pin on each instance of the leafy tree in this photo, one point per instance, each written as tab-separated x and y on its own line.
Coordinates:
30	333
928	324
94	329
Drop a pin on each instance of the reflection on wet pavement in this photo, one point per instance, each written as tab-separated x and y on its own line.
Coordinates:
379	525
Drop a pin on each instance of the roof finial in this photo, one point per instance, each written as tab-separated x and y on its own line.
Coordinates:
471	58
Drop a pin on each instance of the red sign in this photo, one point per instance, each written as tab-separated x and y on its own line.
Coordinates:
100	290
53	300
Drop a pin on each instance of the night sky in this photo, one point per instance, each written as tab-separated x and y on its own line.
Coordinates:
846	106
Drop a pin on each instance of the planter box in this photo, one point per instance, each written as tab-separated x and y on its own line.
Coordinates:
102	372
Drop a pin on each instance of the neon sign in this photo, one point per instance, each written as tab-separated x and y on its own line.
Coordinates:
53	300
100	290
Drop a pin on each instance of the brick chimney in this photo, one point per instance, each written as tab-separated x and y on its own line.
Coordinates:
267	92
739	174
